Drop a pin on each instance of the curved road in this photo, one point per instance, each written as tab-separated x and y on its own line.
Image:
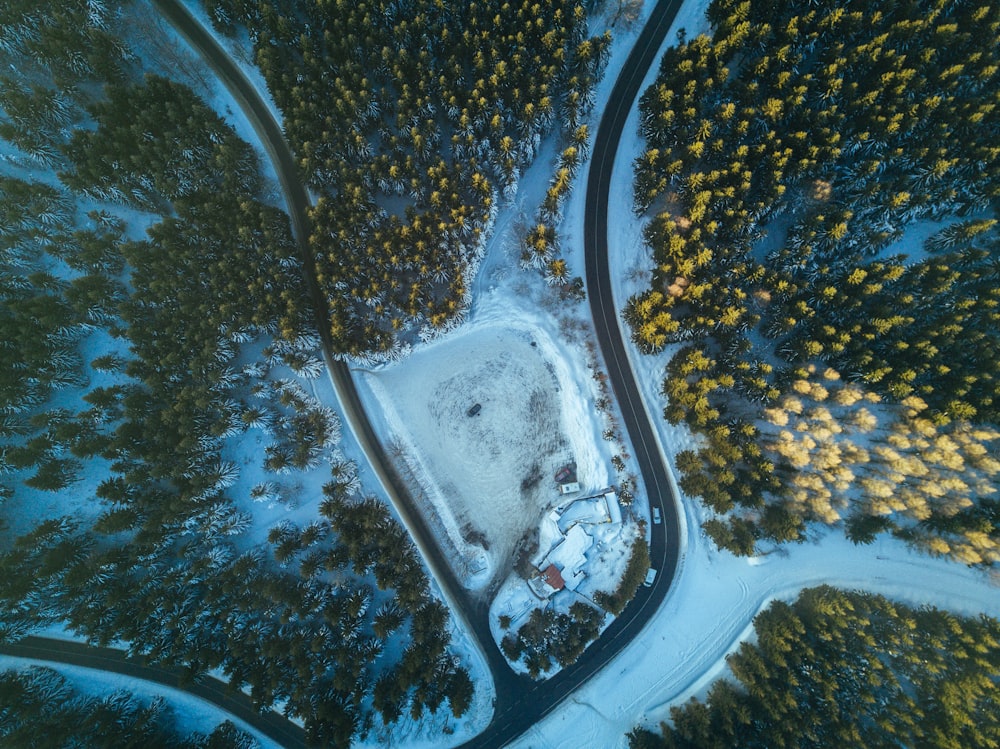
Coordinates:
665	537
273	725
541	698
519	702
471	610
298	203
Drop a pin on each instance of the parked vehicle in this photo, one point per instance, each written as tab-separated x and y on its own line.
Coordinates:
650	576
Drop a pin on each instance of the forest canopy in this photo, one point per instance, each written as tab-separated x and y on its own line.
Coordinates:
40	707
411	121
156	343
841	668
795	161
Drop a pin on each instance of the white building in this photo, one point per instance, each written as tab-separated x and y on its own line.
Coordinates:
570	556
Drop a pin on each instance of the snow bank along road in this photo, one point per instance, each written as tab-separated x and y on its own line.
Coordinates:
520	703
665	537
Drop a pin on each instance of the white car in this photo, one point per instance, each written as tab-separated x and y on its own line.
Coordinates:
650	576
656	516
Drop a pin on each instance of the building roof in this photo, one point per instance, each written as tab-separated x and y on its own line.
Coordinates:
553	578
569	556
614	509
592	510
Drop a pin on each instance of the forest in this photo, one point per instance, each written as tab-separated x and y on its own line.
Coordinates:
549	637
41	708
842	668
411	122
821	186
154	328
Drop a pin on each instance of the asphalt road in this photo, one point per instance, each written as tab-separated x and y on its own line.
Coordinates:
470	609
665	537
298	203
520	703
541	698
273	725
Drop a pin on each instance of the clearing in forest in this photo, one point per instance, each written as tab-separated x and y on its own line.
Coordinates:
487	474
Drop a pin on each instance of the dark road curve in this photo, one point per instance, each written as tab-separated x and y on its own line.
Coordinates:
665	537
470	608
273	725
541	698
520	703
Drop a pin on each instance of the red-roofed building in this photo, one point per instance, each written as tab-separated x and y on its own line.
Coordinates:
553	578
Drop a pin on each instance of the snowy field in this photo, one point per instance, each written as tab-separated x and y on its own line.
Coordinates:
488	478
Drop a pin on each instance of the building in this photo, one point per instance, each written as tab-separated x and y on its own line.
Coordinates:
565	536
553	578
570	556
601	508
547	583
569	487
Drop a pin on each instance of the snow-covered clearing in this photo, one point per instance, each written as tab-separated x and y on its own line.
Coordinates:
189	713
539	402
488	478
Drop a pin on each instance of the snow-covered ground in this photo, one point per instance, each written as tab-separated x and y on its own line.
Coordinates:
469	470
488	478
539	406
441	729
296	496
709	611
